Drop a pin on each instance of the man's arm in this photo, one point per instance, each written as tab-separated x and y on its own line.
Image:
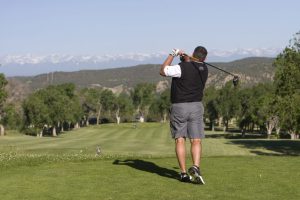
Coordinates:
167	62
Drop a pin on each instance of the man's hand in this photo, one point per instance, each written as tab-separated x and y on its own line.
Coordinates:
175	52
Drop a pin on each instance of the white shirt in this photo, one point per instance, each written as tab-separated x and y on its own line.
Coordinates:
173	71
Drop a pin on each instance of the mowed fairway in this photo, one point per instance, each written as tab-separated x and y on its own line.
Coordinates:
140	164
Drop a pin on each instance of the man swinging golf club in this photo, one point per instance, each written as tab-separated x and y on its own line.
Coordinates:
186	112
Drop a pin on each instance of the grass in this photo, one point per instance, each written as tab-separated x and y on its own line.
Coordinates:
140	164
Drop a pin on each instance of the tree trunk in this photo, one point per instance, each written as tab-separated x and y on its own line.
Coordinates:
77	125
269	132
54	131
39	134
212	126
269	127
86	120
165	117
277	132
243	133
142	120
118	115
60	126
98	114
252	127
2	130
225	128
220	121
293	135
271	124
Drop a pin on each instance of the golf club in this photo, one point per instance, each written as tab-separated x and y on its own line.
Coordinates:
235	80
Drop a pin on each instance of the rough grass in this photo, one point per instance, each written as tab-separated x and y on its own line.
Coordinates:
140	164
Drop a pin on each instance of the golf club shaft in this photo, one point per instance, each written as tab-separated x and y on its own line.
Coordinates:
219	69
196	59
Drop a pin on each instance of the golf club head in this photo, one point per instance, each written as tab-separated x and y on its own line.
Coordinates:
235	80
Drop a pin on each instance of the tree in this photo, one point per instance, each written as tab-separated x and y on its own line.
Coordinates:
11	118
295	42
287	86
142	97
159	108
289	107
228	103
57	105
123	107
91	104
36	113
211	106
164	104
256	107
107	101
3	96
245	111
72	108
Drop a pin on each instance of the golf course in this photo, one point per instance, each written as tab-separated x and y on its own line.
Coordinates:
112	161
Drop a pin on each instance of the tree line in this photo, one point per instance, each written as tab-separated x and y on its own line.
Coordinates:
267	106
264	107
58	108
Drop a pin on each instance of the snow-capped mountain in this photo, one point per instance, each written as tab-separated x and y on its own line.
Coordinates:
30	64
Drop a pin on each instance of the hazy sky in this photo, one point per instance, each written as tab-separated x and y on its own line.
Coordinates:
144	26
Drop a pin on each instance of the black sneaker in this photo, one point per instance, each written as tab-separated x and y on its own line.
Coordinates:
195	173
184	177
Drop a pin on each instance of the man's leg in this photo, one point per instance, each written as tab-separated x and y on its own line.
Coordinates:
180	153
196	151
194	171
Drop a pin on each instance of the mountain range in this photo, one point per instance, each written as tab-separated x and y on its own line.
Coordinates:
29	64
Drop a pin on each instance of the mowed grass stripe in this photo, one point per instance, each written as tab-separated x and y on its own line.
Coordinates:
147	138
118	141
71	139
132	141
75	139
91	140
24	140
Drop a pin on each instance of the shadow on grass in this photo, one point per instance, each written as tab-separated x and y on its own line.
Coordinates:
148	167
279	147
235	136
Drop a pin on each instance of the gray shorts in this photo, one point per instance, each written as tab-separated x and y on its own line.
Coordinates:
186	120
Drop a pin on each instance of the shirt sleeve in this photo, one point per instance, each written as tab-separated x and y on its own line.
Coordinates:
173	71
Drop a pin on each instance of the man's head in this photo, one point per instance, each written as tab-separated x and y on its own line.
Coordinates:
200	53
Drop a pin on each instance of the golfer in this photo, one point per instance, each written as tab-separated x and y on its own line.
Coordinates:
186	112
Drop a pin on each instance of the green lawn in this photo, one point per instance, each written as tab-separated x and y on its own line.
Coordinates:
140	164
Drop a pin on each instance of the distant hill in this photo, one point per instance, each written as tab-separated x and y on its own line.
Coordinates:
251	71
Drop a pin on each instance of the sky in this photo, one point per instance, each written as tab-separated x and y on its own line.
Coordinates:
83	27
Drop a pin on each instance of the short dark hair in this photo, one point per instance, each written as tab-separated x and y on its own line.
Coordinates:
200	53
